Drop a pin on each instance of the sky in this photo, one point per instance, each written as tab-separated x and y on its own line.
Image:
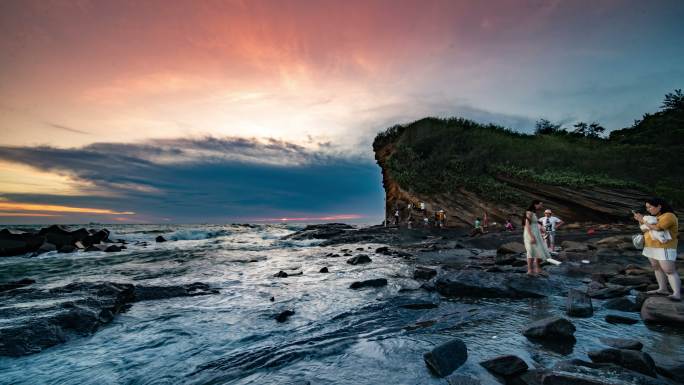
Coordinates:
220	111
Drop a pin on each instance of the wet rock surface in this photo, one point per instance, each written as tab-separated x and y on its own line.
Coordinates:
552	328
77	309
660	310
481	284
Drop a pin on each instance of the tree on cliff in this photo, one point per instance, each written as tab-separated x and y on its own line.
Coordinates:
545	127
673	101
593	130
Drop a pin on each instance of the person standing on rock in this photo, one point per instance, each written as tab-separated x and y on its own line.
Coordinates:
534	244
550	223
662	256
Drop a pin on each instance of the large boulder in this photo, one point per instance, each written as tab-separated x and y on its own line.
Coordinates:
552	328
618	319
57	235
447	357
17	244
578	304
505	366
146	293
631	359
481	284
660	310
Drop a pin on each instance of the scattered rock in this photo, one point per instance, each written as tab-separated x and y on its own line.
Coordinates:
621	304
113	249
16	284
383	250
359	259
511	248
284	315
567	379
505	366
622	343
323	270
425	273
378	282
504	259
46	247
578	304
92	248
618	319
552	328
633	360
159	239
660	310
447	357
272	299
280	274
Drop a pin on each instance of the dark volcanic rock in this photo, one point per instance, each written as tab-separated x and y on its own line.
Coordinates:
76	309
660	310
622	343
378	282
146	293
359	259
322	231
578	304
618	319
16	244
323	270
480	284
505	366
552	328
425	273
633	360
16	284
568	379
46	247
159	239
621	304
284	315
280	274
113	249
447	357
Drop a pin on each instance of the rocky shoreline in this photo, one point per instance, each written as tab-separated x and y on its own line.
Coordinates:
596	266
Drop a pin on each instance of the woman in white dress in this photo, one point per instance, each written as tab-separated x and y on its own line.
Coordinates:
662	255
534	243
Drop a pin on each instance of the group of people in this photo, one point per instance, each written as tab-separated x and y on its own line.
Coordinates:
439	217
660	230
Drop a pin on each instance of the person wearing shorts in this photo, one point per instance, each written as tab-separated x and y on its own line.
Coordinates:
550	224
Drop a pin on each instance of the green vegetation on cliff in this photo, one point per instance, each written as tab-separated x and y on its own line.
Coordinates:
433	156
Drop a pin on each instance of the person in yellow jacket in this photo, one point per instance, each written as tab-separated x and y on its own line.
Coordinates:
662	255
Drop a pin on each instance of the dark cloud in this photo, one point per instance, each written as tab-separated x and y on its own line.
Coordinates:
208	179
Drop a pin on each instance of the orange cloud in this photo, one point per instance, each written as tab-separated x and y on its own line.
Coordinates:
6	214
57	208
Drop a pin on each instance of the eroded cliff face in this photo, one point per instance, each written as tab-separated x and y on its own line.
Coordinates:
592	204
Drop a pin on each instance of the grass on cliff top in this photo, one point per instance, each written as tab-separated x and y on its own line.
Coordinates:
441	155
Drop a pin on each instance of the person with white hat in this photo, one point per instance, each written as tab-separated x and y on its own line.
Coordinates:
550	224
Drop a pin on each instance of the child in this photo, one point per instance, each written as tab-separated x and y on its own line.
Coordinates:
660	236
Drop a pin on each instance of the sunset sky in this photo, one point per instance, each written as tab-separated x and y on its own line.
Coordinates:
216	111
